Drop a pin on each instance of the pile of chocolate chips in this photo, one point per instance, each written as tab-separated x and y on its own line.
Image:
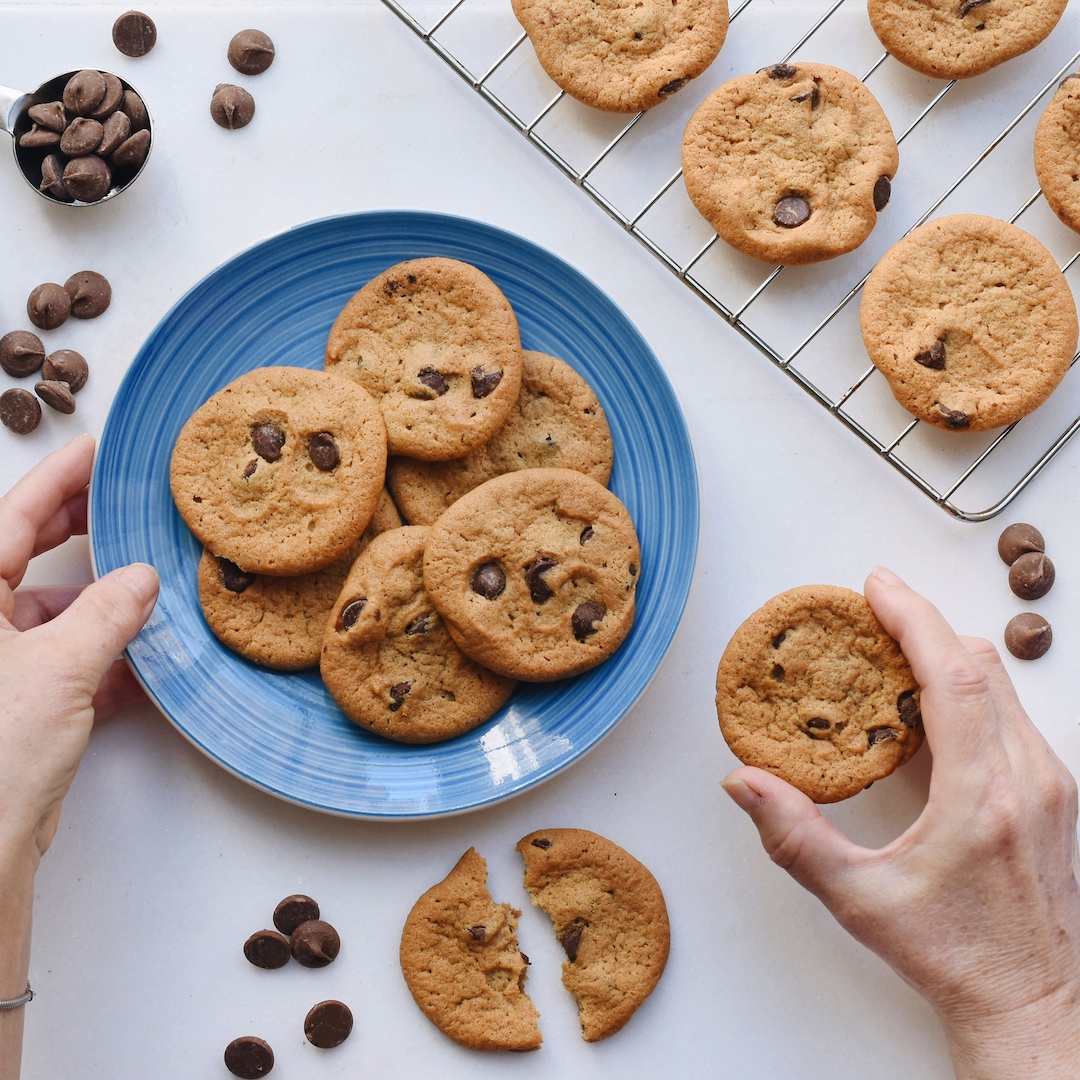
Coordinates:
303	936
63	372
1031	576
250	52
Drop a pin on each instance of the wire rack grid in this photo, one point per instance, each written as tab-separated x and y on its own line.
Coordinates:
966	147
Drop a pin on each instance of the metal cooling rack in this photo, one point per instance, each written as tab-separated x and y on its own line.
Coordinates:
956	156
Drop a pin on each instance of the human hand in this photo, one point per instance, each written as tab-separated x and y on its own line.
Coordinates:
59	647
977	904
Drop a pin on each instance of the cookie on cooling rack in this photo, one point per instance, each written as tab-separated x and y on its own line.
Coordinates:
791	164
956	39
971	322
624	55
812	689
1057	152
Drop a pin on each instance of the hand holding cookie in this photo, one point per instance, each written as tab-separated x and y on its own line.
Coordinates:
977	905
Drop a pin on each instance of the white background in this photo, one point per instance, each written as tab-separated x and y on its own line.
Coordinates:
164	864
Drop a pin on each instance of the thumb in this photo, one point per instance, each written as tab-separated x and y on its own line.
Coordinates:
793	831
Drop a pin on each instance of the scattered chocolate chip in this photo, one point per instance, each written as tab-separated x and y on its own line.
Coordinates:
251	52
315	943
82	136
483	382
267	440
880	734
907	705
672	87
21	353
882	192
954	418
534	576
585	615
433	380
48	306
49	114
56	394
87	179
294	910
478	933
1031	575
67	366
1015	540
818	723
791	212
115	131
231	106
233	578
20	411
934	357
398	693
328	1024
84	92
131	153
134	33
268	949
90	294
1028	636
249	1057
542	842
422	624
488	580
781	71
570	940
323	451
351	612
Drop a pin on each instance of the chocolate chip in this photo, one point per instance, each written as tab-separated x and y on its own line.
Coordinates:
294	910
1028	636
672	87
907	705
268	949
585	615
953	418
114	94
328	1024
231	106
542	842
934	357
819	723
813	95
791	212
586	535
267	440
52	178
114	131
534	576
1031	575
48	306
21	353
87	178
56	394
488	580
134	33
880	734
323	451
251	52
84	92
39	138
778	673
483	382
134	108
249	1057
131	153
882	192
233	578
249	469
90	294
350	613
20	411
570	940
433	380
398	693
781	71
50	115
422	624
82	136
315	943
478	933
1015	540
968	5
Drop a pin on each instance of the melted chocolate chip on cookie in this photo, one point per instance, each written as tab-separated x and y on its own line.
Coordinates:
233	578
791	212
585	616
483	382
398	693
882	192
351	612
323	451
267	439
534	576
934	357
489	580
434	380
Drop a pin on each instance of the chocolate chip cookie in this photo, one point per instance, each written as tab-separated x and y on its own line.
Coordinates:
812	689
557	422
624	56
609	915
791	164
971	321
437	343
280	471
1057	152
535	573
956	39
461	961
387	658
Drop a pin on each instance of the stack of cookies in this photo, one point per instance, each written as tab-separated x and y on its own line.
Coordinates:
518	563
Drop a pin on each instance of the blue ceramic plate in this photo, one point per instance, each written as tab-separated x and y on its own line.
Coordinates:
275	304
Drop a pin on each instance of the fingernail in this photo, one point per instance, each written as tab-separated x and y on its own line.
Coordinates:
141	578
742	794
886	576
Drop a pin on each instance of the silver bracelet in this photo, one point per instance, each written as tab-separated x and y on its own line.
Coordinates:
19	1002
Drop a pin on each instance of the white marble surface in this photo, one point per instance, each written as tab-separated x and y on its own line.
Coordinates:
164	863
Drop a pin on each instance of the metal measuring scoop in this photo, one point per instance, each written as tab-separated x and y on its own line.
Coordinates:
15	119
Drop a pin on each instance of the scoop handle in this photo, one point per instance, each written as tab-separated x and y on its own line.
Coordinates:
11	105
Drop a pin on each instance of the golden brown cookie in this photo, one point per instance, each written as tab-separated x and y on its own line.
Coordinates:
387	658
535	573
609	915
280	471
624	55
557	422
791	164
956	39
461	961
970	320
1057	152
812	689
437	343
